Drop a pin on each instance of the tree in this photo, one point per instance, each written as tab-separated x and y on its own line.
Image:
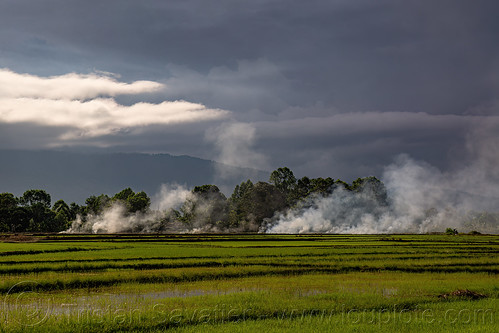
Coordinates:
95	205
305	187
33	197
283	179
265	200
62	207
371	187
322	186
207	191
134	202
62	215
8	207
37	208
241	191
251	204
14	219
124	194
239	203
205	208
341	184
301	191
60	222
74	211
139	202
8	201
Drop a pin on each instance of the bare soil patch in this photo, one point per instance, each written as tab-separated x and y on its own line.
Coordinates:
463	294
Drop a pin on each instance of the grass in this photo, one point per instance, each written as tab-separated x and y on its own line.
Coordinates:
244	283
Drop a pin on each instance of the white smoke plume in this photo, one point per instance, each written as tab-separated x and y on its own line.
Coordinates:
116	219
113	219
421	198
234	142
170	196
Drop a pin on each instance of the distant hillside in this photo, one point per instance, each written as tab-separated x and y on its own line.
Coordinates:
76	176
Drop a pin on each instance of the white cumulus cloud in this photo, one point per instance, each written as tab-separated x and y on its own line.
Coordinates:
69	86
85	104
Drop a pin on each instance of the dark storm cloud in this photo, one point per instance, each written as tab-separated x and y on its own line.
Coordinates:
431	56
349	145
326	87
251	87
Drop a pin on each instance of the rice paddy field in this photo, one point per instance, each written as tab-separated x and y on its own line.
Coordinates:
247	283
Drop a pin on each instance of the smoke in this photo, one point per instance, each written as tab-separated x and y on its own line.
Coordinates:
235	142
341	212
421	198
170	196
116	219
174	210
113	219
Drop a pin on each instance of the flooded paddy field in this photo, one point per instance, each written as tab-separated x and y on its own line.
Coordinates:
244	283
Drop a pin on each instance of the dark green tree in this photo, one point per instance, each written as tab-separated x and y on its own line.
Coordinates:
62	207
37	207
139	202
14	220
239	202
63	215
75	210
241	191
305	187
124	194
283	179
302	190
8	201
8	210
134	202
96	204
34	197
322	186
206	208
341	185
371	187
265	201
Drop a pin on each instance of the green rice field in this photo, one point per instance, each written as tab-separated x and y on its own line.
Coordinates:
247	283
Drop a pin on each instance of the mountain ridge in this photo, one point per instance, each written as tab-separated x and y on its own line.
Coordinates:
74	176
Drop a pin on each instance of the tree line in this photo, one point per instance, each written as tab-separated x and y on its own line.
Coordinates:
249	206
33	212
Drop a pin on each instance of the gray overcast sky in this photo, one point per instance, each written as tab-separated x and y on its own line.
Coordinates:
328	88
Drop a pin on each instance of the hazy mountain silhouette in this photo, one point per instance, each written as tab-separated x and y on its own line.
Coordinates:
75	176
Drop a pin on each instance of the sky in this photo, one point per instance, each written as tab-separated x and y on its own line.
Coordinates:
328	88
